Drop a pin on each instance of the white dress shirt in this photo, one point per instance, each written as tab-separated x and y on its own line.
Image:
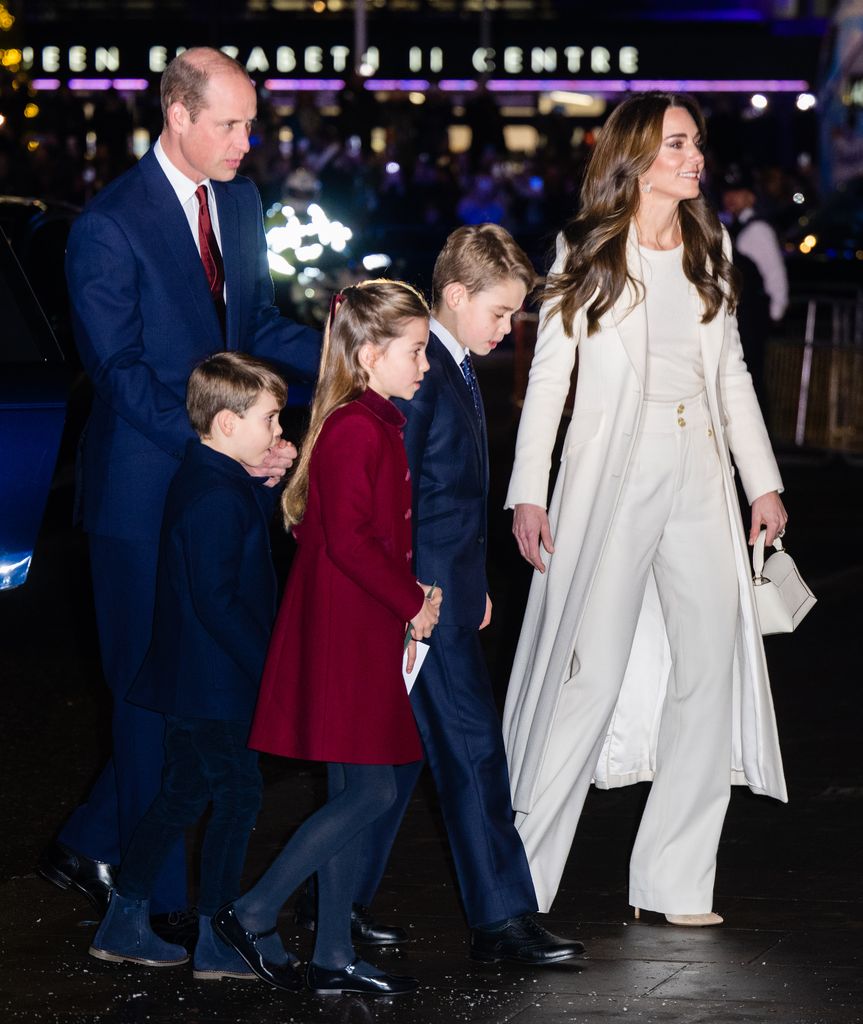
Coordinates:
185	190
758	242
455	348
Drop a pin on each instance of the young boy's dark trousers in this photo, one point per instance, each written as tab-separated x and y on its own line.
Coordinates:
206	761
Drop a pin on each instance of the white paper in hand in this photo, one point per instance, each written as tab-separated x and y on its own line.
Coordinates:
411	677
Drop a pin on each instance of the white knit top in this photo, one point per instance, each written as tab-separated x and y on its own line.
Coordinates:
674	365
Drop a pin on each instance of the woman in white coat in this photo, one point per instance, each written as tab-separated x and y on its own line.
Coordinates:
640	656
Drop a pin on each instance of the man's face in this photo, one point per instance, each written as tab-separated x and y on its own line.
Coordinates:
214	145
736	200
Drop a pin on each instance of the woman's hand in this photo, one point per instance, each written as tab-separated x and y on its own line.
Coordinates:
768	511
530	526
486	619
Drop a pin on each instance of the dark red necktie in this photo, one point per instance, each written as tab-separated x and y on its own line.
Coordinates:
211	257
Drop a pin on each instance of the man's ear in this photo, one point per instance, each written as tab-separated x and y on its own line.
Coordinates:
178	118
454	294
225	422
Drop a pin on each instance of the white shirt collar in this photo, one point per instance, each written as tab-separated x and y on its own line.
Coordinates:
455	348
184	187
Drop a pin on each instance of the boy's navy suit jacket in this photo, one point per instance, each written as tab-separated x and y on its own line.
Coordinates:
447	453
215	592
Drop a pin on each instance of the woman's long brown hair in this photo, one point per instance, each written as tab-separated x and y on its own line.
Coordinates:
375	312
595	269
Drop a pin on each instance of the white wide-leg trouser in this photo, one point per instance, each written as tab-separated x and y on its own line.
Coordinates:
671	521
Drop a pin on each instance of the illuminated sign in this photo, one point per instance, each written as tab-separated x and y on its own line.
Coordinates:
570	59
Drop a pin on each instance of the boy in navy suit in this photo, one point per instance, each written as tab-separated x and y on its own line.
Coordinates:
481	278
215	605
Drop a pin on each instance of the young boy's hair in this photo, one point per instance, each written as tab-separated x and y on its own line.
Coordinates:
229	380
478	256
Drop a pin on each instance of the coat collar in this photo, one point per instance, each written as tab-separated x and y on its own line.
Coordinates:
200	454
382	408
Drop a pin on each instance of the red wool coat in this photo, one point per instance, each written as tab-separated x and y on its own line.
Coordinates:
332	688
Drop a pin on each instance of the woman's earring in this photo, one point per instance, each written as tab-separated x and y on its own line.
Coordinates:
646	186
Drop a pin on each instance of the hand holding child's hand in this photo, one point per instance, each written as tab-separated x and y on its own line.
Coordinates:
278	461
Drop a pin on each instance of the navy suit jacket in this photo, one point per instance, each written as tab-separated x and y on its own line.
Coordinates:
447	453
143	318
215	592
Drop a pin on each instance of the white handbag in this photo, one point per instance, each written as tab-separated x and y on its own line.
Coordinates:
782	598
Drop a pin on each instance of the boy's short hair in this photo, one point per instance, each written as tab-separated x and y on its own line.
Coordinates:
229	380
479	256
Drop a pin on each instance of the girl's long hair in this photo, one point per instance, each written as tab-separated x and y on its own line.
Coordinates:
372	311
595	265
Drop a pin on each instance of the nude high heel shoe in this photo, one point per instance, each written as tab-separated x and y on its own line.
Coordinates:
688	920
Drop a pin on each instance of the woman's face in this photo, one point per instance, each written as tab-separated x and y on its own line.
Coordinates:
676	171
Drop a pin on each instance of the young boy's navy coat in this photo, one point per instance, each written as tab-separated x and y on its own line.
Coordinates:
215	592
452	698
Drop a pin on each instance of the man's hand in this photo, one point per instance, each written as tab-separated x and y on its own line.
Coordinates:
530	526
279	460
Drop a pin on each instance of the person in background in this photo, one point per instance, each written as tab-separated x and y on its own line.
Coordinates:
764	289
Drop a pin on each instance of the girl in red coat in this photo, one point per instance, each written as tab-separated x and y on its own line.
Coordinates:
332	688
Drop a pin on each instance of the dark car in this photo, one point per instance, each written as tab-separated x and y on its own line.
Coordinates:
33	390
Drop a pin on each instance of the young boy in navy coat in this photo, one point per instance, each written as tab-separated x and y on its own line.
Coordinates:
215	605
481	278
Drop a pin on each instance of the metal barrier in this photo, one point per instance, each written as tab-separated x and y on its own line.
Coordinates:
814	372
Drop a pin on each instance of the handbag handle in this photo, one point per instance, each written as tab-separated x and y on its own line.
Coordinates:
758	554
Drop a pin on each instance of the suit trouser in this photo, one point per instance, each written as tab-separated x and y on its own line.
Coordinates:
124	587
671	521
460	728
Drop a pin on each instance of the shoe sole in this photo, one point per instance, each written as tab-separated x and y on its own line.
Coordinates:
64	882
121	958
358	991
218	975
482	958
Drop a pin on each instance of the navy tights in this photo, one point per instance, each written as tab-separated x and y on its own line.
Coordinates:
329	843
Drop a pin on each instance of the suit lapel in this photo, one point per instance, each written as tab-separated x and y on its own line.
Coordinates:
168	215
229	229
460	389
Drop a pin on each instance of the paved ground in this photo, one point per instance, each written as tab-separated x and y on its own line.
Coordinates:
788	880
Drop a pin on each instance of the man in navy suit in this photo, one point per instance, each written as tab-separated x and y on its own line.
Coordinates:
167	265
481	278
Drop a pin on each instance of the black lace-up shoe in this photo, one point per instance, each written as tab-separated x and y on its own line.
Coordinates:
365	931
523	941
66	868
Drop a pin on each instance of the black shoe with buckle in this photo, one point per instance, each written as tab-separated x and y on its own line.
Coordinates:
285	976
328	981
523	941
365	931
64	867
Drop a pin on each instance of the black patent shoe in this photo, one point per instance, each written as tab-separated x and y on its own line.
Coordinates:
64	867
523	941
365	931
283	976
325	981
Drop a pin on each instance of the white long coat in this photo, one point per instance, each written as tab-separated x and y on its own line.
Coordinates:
594	465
